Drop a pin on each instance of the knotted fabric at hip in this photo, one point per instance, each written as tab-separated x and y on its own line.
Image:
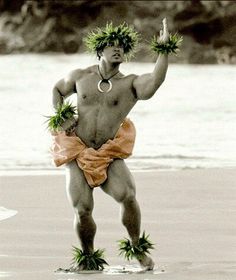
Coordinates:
94	163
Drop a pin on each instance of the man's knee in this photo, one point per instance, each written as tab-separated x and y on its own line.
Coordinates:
130	201
83	212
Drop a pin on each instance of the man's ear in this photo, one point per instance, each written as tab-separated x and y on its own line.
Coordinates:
99	54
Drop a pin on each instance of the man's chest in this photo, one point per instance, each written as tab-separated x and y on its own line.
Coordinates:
116	92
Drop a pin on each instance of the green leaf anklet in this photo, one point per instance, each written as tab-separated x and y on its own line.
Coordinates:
135	251
84	261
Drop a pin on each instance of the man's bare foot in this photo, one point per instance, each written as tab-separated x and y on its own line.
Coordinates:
79	268
147	263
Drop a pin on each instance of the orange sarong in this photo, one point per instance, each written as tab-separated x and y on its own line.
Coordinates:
94	163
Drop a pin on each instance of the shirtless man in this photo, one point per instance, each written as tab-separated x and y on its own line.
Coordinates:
100	115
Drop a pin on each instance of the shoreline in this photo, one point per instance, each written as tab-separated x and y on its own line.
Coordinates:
61	171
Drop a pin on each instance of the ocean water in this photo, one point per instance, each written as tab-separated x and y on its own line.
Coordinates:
189	123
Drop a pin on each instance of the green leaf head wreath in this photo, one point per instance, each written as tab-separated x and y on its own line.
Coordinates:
122	35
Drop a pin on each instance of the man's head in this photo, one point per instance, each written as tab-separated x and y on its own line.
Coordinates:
112	38
112	53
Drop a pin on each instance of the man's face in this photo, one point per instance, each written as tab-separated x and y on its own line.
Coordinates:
113	54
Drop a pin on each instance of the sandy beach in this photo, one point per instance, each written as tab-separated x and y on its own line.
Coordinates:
190	216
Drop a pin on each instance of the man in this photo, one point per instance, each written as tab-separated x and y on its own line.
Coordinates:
105	97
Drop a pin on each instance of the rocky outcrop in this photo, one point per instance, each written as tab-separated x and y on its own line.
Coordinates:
208	27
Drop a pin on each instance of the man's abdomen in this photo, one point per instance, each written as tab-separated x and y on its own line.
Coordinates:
96	129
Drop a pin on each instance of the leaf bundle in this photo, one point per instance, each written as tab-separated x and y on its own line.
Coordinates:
172	46
93	261
63	112
138	251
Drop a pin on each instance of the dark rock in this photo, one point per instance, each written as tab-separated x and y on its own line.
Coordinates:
208	27
70	44
11	6
3	46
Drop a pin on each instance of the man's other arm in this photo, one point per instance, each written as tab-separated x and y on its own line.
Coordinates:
64	88
146	85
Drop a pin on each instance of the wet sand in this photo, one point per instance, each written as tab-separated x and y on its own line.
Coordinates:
190	216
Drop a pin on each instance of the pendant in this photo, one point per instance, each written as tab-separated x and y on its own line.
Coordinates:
104	81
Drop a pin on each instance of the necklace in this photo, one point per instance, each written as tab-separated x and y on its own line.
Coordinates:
107	81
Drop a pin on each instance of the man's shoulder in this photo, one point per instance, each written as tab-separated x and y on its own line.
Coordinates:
76	73
129	76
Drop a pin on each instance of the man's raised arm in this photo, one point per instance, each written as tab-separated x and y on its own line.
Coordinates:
147	84
64	88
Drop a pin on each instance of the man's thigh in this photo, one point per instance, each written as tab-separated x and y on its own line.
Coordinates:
78	191
120	183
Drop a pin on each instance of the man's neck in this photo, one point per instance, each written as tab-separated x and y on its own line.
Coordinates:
107	69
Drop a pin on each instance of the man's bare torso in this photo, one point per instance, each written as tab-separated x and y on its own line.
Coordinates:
101	114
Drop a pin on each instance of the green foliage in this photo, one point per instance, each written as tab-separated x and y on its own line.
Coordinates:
122	35
138	251
63	112
93	261
172	46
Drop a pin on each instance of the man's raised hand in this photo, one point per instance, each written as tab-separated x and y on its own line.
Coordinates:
164	33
